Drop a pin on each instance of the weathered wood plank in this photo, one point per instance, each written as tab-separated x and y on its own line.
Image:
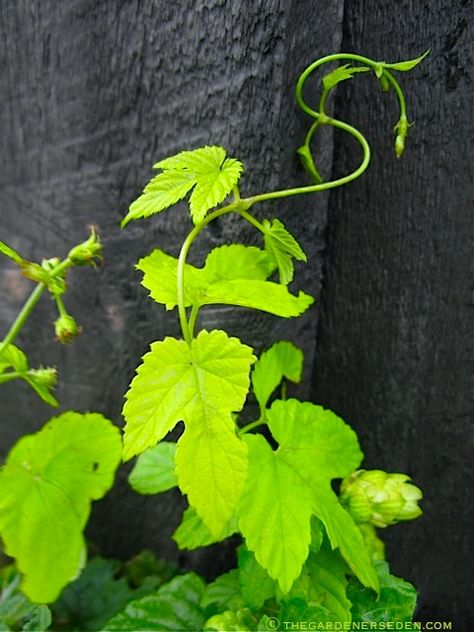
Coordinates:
396	335
94	93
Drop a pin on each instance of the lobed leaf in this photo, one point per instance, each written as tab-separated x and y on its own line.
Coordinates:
207	170
315	441
232	275
212	188
176	382
46	489
154	471
315	446
281	360
200	384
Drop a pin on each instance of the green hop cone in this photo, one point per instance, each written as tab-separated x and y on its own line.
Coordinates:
87	252
380	498
66	329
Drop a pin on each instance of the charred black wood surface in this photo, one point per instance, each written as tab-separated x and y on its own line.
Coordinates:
93	93
395	352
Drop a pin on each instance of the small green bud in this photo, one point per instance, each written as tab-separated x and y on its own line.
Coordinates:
380	498
399	146
86	253
47	377
66	329
401	129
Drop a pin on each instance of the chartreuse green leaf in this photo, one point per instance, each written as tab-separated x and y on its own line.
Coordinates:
222	264
281	360
274	513
315	446
46	489
161	192
404	66
200	384
232	275
320	446
211	464
206	170
396	601
263	295
175	606
192	533
154	471
341	73
235	261
10	253
282	248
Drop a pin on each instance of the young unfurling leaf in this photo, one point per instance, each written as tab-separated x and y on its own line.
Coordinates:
282	247
341	73
404	66
206	170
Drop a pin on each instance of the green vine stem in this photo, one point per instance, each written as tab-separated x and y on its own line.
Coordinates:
241	206
30	304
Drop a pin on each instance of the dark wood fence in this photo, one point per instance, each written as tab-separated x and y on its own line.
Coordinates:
94	92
